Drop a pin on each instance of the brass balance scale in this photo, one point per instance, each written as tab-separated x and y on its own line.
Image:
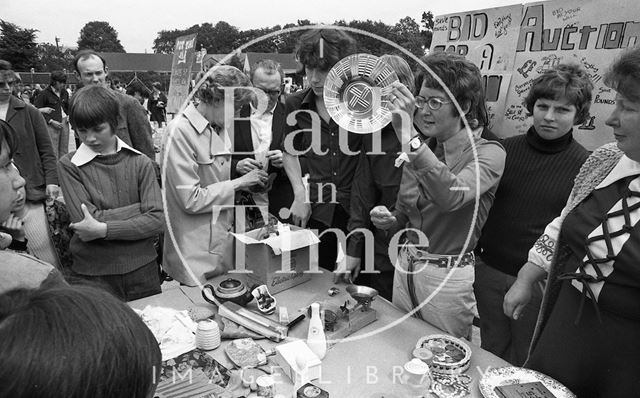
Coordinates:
343	318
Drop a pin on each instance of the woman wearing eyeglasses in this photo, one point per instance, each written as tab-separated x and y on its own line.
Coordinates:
450	169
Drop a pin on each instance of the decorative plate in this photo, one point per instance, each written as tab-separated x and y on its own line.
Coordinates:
244	352
509	375
357	93
450	355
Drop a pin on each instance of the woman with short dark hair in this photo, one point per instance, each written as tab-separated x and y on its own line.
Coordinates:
449	170
538	175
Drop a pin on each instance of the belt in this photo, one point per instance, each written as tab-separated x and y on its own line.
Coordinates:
421	253
442	261
439	261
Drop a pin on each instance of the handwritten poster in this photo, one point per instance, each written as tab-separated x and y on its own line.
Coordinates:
488	38
587	32
183	57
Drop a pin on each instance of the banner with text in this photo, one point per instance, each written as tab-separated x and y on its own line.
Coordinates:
487	38
183	57
587	32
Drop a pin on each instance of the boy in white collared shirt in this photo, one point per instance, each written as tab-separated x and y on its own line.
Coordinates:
113	199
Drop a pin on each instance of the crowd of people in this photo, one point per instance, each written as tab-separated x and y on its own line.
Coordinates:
439	214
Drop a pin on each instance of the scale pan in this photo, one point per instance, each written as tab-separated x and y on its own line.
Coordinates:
360	293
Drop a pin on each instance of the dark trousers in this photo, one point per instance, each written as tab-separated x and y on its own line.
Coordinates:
507	338
328	247
134	285
382	282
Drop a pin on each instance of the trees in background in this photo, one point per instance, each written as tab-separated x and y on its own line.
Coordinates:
220	38
427	28
18	46
101	37
51	58
223	38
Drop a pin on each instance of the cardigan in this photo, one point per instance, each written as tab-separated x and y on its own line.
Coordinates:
594	170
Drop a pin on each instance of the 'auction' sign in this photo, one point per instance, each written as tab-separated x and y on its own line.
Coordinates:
539	36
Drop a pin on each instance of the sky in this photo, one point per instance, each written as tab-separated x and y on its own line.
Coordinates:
138	22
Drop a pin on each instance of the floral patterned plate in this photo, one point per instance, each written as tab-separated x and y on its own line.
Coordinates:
508	375
450	355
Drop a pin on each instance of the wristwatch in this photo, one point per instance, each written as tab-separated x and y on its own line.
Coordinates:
416	142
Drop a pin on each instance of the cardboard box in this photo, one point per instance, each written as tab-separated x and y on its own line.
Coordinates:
298	362
277	261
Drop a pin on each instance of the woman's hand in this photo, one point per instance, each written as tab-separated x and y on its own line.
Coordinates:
520	292
254	177
517	298
246	165
402	107
382	218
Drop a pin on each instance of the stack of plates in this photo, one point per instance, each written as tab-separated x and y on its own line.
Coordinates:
207	335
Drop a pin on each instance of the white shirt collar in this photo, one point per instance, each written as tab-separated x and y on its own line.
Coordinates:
84	154
625	168
266	113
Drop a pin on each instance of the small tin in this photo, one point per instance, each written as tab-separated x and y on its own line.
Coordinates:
266	386
311	391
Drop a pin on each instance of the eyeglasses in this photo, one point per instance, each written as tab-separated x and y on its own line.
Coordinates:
434	103
271	93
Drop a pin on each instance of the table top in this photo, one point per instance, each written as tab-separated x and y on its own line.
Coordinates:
366	364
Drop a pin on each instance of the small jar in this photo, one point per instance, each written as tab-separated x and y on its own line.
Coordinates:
207	335
266	386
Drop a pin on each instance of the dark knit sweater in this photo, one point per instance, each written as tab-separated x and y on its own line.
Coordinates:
538	177
121	190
